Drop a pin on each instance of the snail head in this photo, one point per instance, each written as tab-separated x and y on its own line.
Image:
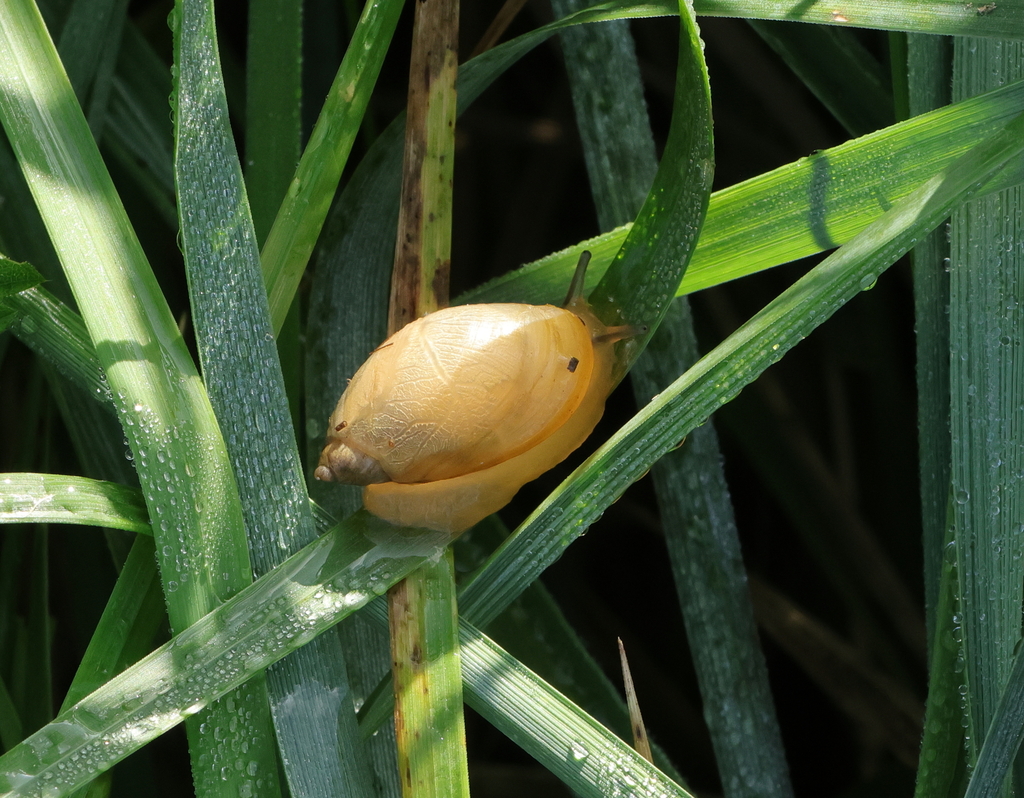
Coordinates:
341	463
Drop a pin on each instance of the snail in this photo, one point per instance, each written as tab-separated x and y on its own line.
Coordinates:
450	416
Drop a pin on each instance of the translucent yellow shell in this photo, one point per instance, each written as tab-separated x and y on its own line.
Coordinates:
455	412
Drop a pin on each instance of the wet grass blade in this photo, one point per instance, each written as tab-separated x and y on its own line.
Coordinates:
301	216
1003	738
49	498
928	76
986	410
309	693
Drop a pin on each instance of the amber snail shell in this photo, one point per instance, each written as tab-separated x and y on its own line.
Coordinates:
451	415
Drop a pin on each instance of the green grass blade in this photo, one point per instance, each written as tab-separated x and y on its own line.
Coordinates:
611	115
309	692
273	143
137	117
927	16
282	611
928	76
646	272
428	676
707	565
50	498
937	16
54	331
229	302
942	767
987	410
91	33
1003	738
612	119
273	128
302	214
587	757
17	277
819	202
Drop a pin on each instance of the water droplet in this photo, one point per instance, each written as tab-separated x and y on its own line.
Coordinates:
578	752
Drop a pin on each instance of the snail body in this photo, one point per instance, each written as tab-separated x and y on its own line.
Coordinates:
449	417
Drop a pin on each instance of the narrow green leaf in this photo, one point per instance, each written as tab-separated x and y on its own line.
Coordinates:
50	498
987	410
646	272
929	60
942	767
137	117
1002	741
91	34
1004	20
699	525
800	209
308	692
707	565
54	331
302	214
611	115
273	142
580	751
430	729
273	126
17	277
